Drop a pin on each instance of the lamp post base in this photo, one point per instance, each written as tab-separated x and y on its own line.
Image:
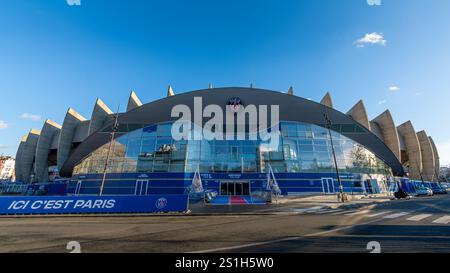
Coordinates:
342	197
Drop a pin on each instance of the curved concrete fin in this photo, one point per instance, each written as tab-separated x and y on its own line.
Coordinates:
326	100
291	91
358	113
100	115
414	154
17	166
28	153
66	136
133	101
389	132
170	92
55	141
376	130
81	132
437	161
48	132
427	156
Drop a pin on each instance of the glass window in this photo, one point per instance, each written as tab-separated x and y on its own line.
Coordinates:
293	167
305	148
301	148
148	146
149	132
321	148
145	166
177	167
234	152
164	130
347	128
320	142
133	148
307	155
137	134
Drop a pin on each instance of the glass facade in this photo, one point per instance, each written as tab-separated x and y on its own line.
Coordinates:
302	148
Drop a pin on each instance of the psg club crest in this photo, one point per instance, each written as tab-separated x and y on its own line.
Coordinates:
235	104
161	203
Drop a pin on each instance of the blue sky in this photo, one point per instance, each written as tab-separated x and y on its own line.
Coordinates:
54	55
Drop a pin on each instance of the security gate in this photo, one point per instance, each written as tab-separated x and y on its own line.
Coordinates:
78	187
328	185
141	187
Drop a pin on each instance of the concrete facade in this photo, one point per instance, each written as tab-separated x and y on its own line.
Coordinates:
18	167
75	130
437	162
427	156
68	130
389	132
133	101
326	100
170	92
359	114
291	91
100	115
412	145
28	156
292	108
81	132
376	130
48	133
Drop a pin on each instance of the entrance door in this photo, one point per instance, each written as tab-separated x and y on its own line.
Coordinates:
141	187
234	188
78	187
328	185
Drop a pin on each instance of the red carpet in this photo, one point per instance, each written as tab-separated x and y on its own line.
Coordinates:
237	200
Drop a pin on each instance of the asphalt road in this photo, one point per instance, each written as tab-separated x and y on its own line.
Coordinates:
417	225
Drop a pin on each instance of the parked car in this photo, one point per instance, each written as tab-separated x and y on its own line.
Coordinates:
424	191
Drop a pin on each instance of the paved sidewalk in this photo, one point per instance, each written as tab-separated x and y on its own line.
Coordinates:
289	203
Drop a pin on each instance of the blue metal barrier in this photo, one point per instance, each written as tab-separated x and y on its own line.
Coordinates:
92	204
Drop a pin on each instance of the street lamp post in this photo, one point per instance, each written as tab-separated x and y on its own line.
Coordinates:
113	133
341	188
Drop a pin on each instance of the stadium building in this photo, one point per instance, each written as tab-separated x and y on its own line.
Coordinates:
134	152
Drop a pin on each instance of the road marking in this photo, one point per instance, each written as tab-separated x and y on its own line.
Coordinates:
419	217
329	211
358	212
315	208
442	220
378	214
307	209
228	248
343	212
396	215
303	236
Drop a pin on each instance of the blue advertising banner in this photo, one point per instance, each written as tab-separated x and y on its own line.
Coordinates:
92	204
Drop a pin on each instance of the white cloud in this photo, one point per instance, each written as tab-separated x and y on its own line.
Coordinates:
30	117
373	38
3	125
374	2
382	102
2	146
73	2
444	152
394	88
